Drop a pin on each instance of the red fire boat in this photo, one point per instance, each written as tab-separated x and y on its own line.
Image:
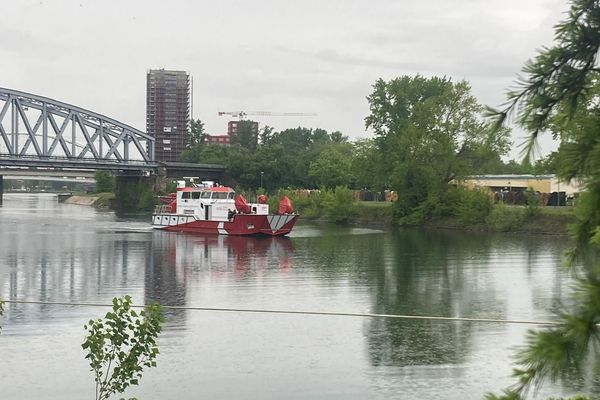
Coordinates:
210	209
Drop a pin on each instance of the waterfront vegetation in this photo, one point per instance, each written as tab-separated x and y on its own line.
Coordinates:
462	209
105	181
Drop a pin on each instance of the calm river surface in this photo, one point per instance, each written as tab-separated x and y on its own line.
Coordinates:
68	253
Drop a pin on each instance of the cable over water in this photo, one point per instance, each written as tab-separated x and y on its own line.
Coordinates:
301	312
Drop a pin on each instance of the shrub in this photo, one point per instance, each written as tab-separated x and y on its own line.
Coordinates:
338	204
121	345
473	206
309	205
532	200
470	206
135	197
105	182
503	218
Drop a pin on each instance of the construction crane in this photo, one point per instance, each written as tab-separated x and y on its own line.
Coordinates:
242	114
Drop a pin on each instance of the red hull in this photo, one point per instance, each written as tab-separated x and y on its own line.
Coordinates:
240	225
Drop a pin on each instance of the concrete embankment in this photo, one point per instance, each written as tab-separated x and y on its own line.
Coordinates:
81	200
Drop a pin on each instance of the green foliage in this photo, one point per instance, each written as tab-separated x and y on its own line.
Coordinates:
333	166
171	187
365	162
533	202
105	181
136	197
560	91
375	212
121	345
310	205
197	135
147	201
338	205
503	218
472	206
246	135
429	131
548	164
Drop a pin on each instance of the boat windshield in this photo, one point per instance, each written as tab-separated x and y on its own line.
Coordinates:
219	195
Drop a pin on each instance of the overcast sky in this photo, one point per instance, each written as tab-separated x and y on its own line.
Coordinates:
317	56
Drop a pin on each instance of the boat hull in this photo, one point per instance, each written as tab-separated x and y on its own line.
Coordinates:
240	225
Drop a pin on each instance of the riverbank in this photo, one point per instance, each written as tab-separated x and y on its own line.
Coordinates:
97	200
543	224
545	220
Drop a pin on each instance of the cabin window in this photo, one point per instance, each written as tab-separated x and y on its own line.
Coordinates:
185	195
220	195
195	195
205	195
230	195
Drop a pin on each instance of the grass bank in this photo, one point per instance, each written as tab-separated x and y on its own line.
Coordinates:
547	221
502	218
374	213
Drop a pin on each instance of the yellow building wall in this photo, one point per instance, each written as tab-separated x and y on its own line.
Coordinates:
542	185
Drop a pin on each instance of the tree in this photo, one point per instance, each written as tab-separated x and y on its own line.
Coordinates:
425	128
364	164
333	166
121	345
560	92
265	135
338	204
547	164
338	137
207	154
246	135
197	135
105	181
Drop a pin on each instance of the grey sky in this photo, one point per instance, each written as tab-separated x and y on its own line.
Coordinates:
270	55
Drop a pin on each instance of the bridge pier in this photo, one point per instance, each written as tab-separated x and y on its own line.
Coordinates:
161	180
1	188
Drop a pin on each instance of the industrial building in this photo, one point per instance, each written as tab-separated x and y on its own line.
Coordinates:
512	187
168	112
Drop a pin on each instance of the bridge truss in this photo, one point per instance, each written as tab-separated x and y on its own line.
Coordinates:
38	131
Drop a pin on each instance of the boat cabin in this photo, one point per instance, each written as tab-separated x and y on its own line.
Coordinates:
214	203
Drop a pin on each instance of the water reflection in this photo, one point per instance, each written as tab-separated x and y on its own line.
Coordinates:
187	254
445	274
175	259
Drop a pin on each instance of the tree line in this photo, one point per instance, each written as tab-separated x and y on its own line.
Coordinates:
428	131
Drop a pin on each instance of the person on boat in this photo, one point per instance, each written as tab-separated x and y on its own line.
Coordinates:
230	214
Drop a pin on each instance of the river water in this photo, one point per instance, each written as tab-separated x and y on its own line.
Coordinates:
67	253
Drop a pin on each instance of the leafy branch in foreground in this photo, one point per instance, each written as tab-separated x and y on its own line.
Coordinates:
557	75
121	345
562	94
